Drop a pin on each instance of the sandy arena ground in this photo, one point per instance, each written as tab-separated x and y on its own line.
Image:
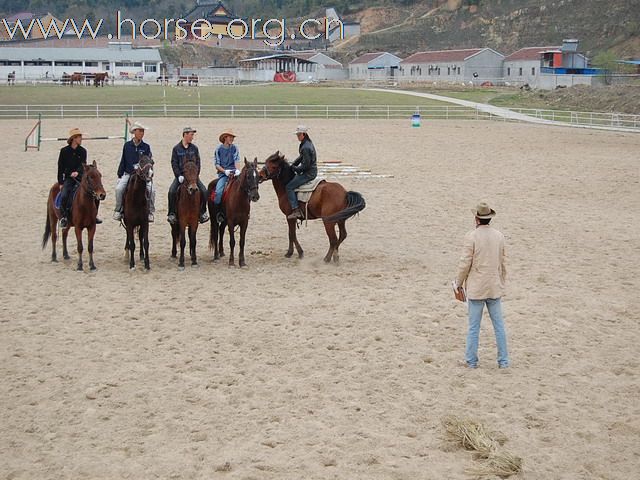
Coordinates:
293	369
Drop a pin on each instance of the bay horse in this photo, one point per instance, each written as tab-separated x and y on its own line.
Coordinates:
329	202
100	79
188	210
83	214
236	202
136	211
76	77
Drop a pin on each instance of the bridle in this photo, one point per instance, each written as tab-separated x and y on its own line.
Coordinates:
268	175
89	188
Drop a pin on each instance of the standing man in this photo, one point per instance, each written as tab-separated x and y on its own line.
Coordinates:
71	162
227	158
305	169
182	153
131	153
482	270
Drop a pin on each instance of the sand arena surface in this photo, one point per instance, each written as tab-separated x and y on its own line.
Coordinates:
297	369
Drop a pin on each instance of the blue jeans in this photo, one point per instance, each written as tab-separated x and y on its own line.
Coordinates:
292	185
222	181
494	306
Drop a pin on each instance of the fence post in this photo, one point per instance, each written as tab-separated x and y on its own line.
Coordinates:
447	112
388	112
232	112
26	111
327	111
61	111
198	109
296	111
97	111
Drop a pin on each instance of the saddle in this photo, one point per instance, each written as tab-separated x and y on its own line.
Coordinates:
225	192
304	191
57	202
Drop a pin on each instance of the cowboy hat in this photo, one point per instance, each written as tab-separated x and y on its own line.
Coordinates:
74	132
188	130
229	132
483	211
136	126
301	129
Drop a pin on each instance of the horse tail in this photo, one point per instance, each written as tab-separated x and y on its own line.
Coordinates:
355	204
47	232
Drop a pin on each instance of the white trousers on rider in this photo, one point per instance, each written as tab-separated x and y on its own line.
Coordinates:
121	186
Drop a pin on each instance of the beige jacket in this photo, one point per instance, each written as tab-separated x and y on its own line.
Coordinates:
482	264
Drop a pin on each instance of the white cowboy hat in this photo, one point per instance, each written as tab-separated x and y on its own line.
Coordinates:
136	126
483	211
301	129
229	132
74	132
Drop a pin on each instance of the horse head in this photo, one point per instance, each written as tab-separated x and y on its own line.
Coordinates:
191	177
145	168
249	179
272	166
93	181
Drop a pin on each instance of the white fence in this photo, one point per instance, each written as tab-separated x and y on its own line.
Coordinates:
311	111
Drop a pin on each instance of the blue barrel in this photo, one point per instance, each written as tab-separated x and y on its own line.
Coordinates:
415	120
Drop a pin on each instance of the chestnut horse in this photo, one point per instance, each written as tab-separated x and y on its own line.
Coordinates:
188	210
241	191
136	211
329	202
83	214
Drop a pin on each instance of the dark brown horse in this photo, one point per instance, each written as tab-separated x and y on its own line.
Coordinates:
329	202
241	191
83	214
188	209
100	79
136	211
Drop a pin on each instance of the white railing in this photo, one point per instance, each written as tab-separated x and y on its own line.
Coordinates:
436	112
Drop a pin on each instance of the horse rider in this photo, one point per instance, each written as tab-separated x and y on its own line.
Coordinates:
305	169
182	153
131	153
71	162
227	158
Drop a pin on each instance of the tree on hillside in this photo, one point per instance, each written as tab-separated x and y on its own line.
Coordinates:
607	61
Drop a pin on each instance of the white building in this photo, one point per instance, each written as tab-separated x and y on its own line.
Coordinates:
374	65
119	60
524	65
306	66
478	65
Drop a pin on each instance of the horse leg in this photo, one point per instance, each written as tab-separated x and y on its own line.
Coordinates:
131	246
192	245
91	232
183	243
343	235
243	232
293	240
333	240
65	251
232	244
221	229
80	247
144	242
141	237
213	235
175	236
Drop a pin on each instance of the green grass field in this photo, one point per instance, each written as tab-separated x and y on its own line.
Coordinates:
215	95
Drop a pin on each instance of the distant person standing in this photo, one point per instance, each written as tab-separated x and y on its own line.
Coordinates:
482	271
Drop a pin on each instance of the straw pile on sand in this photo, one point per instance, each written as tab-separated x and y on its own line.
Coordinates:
473	435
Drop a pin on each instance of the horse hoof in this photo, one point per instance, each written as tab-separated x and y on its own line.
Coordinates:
195	265
79	269
181	268
288	254
132	269
67	257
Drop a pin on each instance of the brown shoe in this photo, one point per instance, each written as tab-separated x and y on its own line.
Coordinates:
297	213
